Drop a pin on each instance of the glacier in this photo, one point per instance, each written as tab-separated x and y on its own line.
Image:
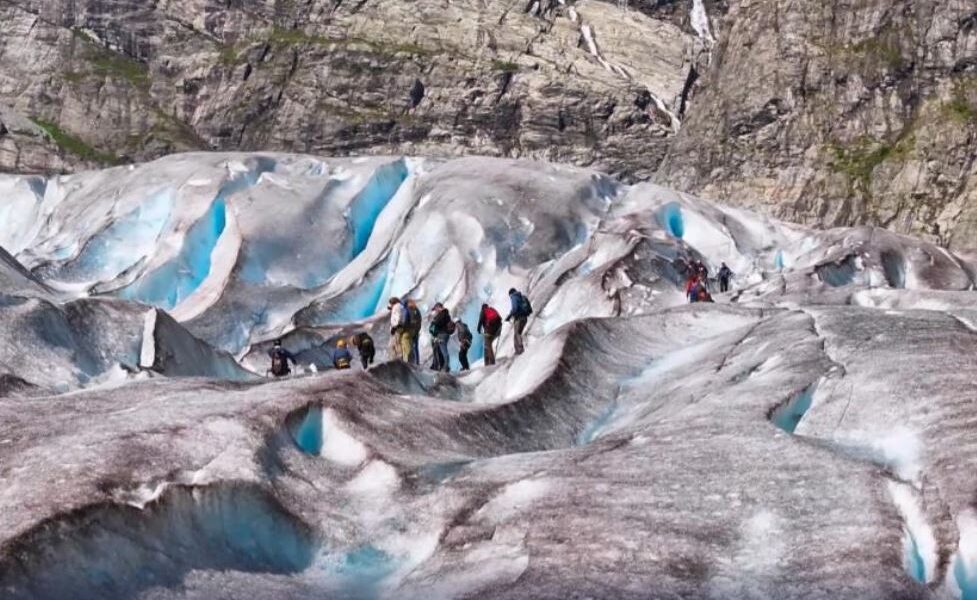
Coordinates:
808	435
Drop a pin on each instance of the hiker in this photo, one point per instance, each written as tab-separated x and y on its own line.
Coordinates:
519	315
441	329
702	293
341	358
364	345
464	343
725	274
692	287
279	360
490	326
701	270
400	340
414	322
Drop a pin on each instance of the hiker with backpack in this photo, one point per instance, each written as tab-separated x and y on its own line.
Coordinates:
725	274
464	343
279	360
692	287
400	339
490	326
341	357
364	345
519	315
702	293
441	329
415	321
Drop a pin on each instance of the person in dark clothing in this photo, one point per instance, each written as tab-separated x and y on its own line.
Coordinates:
341	358
464	343
441	329
701	270
725	274
415	321
279	360
365	346
490	326
519	315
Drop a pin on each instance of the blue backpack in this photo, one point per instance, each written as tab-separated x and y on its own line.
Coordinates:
523	306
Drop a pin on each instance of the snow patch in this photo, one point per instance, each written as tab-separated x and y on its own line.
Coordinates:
338	445
514	498
147	354
376	479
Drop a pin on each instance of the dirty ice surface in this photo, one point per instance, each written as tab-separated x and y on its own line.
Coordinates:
808	435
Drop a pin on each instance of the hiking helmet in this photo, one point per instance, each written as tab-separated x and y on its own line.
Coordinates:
512	291
341	343
278	342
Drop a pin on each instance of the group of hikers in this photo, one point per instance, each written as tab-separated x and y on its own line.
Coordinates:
406	322
697	281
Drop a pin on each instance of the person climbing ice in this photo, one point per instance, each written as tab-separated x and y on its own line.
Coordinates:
400	339
725	274
279	359
464	343
519	315
341	358
441	329
490	326
365	346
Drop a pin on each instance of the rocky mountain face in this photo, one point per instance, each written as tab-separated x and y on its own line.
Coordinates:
111	81
850	112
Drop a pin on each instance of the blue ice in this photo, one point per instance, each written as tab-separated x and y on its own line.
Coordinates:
778	261
124	242
596	427
788	416
915	565
176	280
364	301
363	569
370	202
308	433
838	274
670	217
966	579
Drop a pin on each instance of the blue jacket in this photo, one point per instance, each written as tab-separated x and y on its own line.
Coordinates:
341	353
514	312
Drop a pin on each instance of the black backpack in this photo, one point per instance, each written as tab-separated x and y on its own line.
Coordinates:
522	303
279	364
414	319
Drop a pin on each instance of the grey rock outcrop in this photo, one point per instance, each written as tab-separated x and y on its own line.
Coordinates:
841	113
590	83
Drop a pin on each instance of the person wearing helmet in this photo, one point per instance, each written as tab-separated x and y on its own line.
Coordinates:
341	358
364	344
279	359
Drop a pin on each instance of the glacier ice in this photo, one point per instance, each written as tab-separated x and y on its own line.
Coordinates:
144	455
